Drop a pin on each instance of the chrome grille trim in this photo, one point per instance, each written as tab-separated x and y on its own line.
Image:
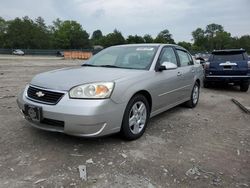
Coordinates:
51	97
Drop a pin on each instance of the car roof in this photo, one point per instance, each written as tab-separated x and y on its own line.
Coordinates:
153	45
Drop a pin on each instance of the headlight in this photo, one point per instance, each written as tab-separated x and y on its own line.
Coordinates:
100	90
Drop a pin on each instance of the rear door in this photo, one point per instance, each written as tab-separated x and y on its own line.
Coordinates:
228	63
186	72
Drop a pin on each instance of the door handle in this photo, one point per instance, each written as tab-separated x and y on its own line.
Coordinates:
193	70
179	74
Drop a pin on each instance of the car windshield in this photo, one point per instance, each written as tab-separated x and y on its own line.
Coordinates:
128	57
228	57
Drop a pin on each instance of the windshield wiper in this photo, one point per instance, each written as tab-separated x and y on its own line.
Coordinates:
109	66
88	65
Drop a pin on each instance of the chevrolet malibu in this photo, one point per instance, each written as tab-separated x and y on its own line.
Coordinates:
117	90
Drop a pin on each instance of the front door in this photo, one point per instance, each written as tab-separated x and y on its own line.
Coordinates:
167	85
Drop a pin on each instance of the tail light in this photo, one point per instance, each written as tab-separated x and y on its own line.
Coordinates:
207	64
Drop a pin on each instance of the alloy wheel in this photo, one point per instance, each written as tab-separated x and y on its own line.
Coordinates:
137	117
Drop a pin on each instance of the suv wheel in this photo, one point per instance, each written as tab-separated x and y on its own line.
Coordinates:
244	86
194	96
135	118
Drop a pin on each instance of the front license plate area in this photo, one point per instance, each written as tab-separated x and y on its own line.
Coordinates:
33	113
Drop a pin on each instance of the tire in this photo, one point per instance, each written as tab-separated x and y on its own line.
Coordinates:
194	98
135	121
244	86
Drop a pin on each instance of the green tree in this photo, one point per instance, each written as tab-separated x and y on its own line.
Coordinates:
199	39
213	37
186	45
114	38
56	24
42	35
70	35
96	37
20	33
198	34
3	30
241	42
135	39
25	33
148	38
164	37
221	40
212	29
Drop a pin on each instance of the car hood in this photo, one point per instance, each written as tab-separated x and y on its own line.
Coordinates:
65	79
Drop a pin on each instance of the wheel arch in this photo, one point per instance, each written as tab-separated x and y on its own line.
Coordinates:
198	81
146	94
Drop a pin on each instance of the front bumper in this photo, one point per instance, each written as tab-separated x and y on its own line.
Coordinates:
78	117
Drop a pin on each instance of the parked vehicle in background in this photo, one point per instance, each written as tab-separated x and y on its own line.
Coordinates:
117	90
18	52
200	60
60	54
203	56
228	66
97	49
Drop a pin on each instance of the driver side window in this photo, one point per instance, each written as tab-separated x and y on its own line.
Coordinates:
168	55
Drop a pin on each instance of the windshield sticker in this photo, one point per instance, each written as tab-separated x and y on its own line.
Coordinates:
144	49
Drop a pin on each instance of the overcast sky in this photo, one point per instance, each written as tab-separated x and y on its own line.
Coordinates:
140	17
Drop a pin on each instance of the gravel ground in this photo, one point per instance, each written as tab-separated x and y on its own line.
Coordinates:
208	146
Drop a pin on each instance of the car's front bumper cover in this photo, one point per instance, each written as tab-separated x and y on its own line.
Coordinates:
86	118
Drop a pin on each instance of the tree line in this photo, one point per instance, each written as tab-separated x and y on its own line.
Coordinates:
26	33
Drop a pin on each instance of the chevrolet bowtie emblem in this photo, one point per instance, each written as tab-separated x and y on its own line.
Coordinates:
40	94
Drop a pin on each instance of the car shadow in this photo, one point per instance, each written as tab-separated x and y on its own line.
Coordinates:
167	113
72	140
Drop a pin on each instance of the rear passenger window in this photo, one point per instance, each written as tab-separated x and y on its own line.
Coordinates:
185	58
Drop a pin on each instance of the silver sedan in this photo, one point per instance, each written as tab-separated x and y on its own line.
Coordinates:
117	90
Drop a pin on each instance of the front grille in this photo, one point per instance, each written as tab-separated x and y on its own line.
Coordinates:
44	96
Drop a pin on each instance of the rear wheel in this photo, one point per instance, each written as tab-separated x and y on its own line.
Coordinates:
135	118
194	96
244	86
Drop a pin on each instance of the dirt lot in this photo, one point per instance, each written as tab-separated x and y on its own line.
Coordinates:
208	146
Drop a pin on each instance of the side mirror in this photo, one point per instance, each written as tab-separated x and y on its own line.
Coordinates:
167	66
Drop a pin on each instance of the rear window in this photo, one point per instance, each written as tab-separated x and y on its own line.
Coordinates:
228	57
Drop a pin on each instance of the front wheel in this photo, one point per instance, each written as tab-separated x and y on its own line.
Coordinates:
194	96
135	118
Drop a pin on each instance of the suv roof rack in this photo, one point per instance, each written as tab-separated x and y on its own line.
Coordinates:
231	50
228	51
